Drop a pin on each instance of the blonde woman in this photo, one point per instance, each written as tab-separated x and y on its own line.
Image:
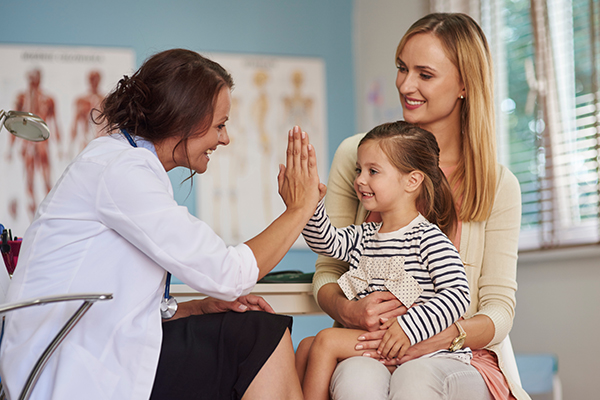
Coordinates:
445	85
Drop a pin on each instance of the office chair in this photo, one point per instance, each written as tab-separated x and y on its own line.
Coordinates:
88	300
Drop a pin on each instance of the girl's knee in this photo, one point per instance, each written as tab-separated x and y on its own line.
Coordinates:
303	350
305	344
326	338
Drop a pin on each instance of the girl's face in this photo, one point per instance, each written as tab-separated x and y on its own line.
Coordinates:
200	147
429	85
379	185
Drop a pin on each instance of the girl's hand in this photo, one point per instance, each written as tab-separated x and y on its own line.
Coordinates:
371	311
298	180
440	341
370	341
394	342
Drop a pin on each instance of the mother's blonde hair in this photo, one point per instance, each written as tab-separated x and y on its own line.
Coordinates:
466	47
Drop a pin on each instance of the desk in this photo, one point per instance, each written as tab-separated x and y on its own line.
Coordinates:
285	298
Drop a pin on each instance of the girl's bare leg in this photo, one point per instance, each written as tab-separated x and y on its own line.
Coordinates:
277	379
330	346
302	356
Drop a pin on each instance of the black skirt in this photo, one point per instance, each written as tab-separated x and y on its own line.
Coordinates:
215	356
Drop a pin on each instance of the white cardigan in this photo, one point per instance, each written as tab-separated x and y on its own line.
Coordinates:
110	224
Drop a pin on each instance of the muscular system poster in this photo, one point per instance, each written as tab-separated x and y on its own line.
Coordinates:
61	84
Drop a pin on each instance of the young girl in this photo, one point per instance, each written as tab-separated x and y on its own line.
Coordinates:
408	253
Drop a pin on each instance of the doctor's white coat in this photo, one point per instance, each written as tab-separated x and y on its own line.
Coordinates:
111	225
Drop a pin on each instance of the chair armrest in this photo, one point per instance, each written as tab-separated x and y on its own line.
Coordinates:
88	300
88	297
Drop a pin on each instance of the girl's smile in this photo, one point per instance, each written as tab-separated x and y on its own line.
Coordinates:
381	187
378	183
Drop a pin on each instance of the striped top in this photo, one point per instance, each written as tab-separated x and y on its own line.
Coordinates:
429	257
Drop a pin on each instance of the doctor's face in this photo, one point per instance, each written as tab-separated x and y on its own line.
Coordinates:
201	147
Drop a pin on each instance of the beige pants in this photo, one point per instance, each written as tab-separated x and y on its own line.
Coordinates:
360	378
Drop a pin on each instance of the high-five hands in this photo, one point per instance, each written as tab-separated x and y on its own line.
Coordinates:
298	180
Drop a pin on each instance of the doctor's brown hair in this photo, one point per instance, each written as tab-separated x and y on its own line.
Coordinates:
410	148
172	94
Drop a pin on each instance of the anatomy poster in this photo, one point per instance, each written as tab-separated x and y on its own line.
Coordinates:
61	85
238	194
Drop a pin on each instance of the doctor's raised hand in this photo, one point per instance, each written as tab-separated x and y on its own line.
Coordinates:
301	190
299	179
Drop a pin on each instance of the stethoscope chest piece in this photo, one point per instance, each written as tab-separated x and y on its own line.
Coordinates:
168	307
168	304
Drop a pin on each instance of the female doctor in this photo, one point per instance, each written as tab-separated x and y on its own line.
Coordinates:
111	224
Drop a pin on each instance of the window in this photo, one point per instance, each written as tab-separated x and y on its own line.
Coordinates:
547	66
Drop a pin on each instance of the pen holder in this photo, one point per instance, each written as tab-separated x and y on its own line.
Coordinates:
12	256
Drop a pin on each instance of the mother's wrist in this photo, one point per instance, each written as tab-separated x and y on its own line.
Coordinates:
344	311
459	340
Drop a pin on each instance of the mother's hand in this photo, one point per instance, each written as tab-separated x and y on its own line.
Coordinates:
370	341
371	311
441	341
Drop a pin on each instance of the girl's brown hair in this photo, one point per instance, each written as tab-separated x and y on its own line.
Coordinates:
467	48
172	94
410	148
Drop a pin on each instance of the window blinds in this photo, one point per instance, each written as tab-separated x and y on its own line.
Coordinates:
547	61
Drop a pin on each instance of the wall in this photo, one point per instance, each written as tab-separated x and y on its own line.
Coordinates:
558	311
378	28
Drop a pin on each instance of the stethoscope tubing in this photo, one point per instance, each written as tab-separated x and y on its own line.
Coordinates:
168	305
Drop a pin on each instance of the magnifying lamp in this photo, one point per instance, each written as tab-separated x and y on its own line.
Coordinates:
25	125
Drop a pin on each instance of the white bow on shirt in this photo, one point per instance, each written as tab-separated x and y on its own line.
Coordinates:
378	274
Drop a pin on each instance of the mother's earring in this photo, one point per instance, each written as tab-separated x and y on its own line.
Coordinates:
461	97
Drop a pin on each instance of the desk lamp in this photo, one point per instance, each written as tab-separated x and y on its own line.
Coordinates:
29	127
25	125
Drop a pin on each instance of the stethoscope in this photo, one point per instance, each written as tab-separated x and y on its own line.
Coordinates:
168	304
